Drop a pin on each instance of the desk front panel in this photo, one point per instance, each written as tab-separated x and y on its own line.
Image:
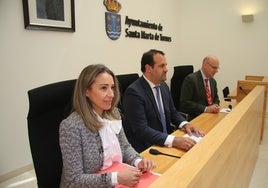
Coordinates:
226	156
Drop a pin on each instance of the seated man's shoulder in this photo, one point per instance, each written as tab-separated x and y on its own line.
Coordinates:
135	87
193	75
190	76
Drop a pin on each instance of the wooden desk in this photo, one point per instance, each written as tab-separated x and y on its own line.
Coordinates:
233	94
226	156
204	122
246	86
256	78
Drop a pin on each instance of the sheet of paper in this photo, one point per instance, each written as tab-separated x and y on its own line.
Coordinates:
145	180
194	137
225	110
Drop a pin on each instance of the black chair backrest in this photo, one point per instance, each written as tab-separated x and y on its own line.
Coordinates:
226	92
48	106
124	81
180	72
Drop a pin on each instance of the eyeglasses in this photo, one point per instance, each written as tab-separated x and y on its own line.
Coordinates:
214	67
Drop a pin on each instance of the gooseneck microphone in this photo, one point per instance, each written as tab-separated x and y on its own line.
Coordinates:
156	152
242	90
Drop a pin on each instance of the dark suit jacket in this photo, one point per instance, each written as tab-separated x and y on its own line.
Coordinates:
141	119
193	99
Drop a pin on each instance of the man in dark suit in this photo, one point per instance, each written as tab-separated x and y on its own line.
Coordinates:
142	120
197	97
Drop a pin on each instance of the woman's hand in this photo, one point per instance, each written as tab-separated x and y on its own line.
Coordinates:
129	177
146	165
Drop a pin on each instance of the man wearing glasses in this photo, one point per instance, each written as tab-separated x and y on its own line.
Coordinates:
199	91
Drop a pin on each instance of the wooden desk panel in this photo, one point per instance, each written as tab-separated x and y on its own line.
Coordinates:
248	86
204	122
233	94
226	156
252	77
265	79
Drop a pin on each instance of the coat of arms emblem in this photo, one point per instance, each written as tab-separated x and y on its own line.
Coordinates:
112	19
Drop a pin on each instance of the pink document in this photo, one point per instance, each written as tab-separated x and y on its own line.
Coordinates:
146	179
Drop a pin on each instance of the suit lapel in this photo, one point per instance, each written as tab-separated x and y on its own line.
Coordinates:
202	88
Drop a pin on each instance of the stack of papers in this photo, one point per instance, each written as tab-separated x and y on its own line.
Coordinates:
194	137
225	110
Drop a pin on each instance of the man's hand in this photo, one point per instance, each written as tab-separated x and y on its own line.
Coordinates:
214	108
184	143
190	129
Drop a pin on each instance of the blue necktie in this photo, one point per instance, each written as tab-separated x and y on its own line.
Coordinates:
161	109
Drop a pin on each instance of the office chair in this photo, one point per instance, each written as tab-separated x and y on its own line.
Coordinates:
226	92
124	81
48	106
180	72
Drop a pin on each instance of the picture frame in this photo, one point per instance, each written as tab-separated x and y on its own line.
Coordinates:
52	15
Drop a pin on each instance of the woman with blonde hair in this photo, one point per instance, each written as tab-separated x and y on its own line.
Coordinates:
92	137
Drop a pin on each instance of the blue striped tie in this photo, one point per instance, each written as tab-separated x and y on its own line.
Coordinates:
161	109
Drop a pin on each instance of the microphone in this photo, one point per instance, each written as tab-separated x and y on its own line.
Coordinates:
242	90
156	152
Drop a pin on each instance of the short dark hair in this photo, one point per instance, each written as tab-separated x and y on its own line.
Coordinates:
147	58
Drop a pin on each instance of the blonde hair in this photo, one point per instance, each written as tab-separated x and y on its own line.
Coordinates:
82	105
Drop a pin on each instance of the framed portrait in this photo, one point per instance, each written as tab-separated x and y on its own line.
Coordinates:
54	15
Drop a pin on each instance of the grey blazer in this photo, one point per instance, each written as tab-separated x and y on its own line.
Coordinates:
82	154
193	99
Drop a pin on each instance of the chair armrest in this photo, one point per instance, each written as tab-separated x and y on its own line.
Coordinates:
186	116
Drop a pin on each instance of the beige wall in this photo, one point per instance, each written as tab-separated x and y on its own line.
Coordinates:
30	58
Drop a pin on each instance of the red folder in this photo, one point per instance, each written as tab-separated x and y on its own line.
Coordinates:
145	180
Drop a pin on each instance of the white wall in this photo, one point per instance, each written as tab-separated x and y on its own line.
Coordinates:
216	27
30	58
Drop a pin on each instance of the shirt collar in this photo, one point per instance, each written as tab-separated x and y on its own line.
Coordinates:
203	75
114	125
152	85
